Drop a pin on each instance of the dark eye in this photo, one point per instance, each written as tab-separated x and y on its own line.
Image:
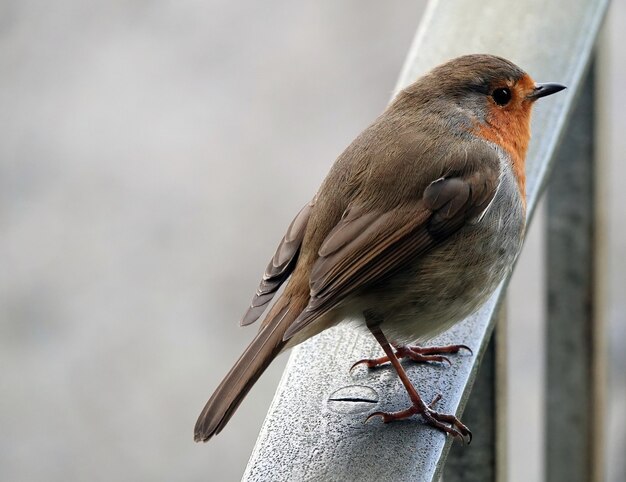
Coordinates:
502	96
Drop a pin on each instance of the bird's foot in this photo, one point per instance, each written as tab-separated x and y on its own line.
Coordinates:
448	424
417	354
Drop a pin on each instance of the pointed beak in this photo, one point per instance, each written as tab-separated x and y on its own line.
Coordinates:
541	90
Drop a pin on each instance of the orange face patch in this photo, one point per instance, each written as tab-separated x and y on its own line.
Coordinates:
509	126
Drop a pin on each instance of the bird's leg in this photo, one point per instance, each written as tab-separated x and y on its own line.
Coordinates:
418	354
446	423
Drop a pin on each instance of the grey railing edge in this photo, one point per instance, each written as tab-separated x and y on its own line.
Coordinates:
303	438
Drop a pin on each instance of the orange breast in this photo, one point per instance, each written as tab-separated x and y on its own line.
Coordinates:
509	127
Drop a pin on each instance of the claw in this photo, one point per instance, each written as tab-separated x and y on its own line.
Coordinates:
393	416
457	428
438	350
435	400
465	347
375	414
417	354
448	424
355	364
370	362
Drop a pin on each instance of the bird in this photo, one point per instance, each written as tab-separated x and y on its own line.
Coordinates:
417	222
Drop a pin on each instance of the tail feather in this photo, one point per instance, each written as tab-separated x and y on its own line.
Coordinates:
249	367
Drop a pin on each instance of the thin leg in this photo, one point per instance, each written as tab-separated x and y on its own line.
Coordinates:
446	423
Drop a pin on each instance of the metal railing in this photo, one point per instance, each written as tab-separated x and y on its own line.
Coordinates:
308	436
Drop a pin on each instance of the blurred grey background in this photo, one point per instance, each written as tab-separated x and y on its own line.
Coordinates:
152	154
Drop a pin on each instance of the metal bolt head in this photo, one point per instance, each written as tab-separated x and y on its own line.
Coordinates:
353	399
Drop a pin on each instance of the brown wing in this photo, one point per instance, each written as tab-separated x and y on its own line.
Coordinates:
280	266
367	246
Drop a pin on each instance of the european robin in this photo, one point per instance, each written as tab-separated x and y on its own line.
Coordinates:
417	223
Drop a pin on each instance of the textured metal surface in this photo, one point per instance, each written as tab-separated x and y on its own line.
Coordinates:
305	438
302	438
573	328
485	459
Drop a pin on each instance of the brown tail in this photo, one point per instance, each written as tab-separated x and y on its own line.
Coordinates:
251	364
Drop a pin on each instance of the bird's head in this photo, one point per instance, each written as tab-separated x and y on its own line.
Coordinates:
484	95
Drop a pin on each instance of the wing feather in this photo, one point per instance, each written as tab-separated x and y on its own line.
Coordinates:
366	246
280	266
